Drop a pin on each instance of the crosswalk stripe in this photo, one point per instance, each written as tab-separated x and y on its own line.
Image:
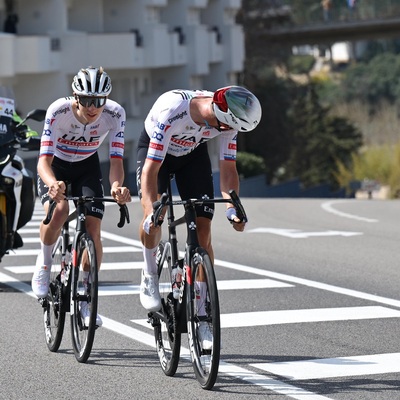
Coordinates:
112	249
334	367
109	266
263	318
117	290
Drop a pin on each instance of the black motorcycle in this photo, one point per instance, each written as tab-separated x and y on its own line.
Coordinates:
17	184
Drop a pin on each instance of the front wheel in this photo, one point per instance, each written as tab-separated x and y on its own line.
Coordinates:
203	318
84	293
53	310
168	339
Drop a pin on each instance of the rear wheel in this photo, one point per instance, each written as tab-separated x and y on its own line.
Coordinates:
84	295
53	311
168	339
203	310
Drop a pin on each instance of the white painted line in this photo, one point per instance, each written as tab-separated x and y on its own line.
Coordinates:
224	368
297	234
31	239
309	283
112	249
222	285
327	206
109	266
264	318
261	318
335	367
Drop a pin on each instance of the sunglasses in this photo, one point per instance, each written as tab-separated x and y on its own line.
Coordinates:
87	101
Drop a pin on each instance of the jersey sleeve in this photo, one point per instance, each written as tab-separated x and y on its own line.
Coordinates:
47	141
158	123
228	146
117	133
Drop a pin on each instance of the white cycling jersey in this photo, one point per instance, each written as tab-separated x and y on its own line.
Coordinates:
172	130
68	139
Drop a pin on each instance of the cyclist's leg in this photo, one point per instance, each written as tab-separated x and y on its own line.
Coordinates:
90	184
194	180
48	236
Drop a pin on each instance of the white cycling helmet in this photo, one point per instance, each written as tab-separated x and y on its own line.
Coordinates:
237	107
92	81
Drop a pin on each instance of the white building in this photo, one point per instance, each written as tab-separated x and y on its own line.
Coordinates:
146	46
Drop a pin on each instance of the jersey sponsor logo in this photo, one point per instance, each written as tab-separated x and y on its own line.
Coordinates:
162	126
117	144
157	135
80	139
206	133
120	134
71	142
46	132
156	146
177	116
123	123
63	110
232	146
182	142
93	132
92	127
46	143
114	114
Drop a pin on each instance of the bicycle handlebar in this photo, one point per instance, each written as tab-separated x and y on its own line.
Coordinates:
163	201
123	209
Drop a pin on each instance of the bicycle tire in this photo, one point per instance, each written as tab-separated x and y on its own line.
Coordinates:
168	339
53	311
82	335
205	362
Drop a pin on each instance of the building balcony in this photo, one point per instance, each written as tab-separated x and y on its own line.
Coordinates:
28	55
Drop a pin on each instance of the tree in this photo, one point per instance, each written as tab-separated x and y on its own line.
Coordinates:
318	141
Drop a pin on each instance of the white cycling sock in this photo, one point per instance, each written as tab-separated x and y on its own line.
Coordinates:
150	265
201	291
45	257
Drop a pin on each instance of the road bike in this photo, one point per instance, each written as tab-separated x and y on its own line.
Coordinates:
69	286
195	301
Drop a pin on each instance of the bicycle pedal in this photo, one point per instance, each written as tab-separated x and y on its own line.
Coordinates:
43	302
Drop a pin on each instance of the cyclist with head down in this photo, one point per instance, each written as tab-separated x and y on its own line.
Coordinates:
174	140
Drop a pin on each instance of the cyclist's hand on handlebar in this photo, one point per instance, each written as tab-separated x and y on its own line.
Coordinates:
57	191
148	223
237	224
121	194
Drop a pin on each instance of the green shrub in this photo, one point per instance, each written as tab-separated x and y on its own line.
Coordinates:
378	163
249	164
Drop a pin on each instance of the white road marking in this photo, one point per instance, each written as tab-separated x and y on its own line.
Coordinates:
264	318
263	381
297	234
327	206
114	290
335	367
29	269
306	282
112	249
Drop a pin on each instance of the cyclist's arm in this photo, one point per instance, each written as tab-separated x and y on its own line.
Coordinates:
120	193
229	179
56	188
148	185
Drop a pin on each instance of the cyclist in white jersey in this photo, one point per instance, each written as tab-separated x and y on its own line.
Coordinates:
174	140
74	129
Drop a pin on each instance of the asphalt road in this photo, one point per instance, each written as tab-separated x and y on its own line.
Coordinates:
309	301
